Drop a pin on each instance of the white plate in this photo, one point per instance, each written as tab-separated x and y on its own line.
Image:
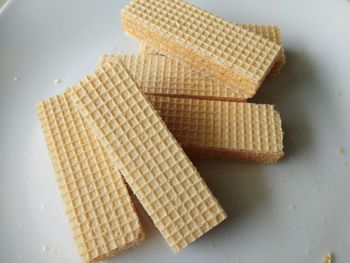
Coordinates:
295	211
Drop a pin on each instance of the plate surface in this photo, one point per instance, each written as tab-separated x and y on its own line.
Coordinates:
295	211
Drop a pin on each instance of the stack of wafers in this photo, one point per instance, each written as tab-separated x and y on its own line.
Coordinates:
135	120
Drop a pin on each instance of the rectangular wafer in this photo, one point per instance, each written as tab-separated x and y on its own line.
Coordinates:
269	32
153	164
224	50
222	129
159	75
100	211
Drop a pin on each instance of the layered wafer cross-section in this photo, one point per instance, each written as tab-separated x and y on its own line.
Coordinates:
155	167
223	130
159	75
100	212
224	50
269	32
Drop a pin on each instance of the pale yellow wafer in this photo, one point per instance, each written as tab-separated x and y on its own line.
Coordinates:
269	32
148	49
223	130
155	167
273	34
329	258
224	50
159	75
101	214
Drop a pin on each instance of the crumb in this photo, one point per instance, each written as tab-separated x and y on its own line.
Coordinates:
292	206
117	51
328	258
44	249
340	150
57	81
19	225
42	207
16	79
19	256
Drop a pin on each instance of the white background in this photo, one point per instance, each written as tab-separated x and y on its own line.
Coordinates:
295	211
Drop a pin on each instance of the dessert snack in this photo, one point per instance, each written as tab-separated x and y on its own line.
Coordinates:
269	32
224	50
222	129
100	212
153	164
159	75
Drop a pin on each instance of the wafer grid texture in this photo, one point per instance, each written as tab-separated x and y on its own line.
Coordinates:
273	34
100	212
223	130
159	75
235	55
148	49
269	32
155	167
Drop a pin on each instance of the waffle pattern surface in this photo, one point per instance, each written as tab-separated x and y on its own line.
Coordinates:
223	130
148	49
101	214
155	167
159	75
269	32
273	34
235	55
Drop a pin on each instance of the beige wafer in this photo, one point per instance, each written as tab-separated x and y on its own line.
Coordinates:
273	34
269	32
155	167
101	214
159	75
224	50
148	49
223	130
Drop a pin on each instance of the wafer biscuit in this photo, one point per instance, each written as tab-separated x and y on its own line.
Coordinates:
273	34
269	32
148	49
155	167
223	130
101	214
159	75
226	51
